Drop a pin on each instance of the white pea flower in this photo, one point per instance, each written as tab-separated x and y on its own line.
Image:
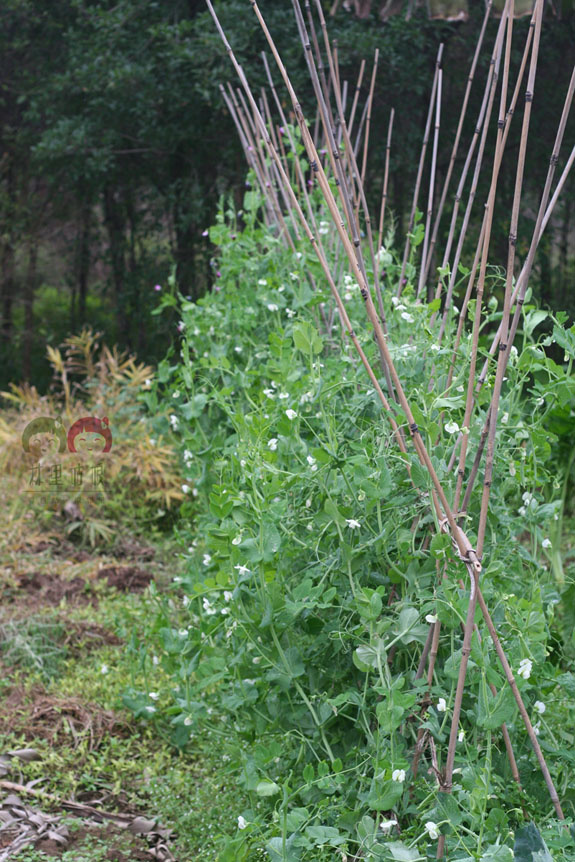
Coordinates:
387	825
283	396
104	669
441	705
174	421
186	489
257	659
262	282
147	383
539	707
269	393
525	668
430	618
243	570
186	601
505	418
228	596
154	695
461	736
238	349
407	316
176	394
451	427
537	728
294	276
155	660
546	543
188	720
436	348
398	775
310	460
323	228
522	511
352	524
273	444
150	709
290	312
308	503
272	306
432	830
236	540
395	301
188	456
291	414
207	560
399	306
208	607
527	497
242	823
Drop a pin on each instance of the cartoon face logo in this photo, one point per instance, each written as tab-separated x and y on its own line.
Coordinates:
90	435
44	436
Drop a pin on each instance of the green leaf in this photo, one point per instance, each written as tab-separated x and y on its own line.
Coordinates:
408	618
365	656
331	509
193	408
529	845
306	338
497	853
278	853
402	853
321	835
533	319
493	711
384	795
267	788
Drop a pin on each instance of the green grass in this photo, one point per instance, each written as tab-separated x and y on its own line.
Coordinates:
132	767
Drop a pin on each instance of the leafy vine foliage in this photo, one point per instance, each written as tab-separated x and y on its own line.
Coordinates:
296	634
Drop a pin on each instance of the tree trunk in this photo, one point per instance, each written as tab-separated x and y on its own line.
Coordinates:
114	221
84	260
29	290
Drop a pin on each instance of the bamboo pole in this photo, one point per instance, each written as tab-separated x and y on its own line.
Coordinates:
420	170
470	78
384	191
422	270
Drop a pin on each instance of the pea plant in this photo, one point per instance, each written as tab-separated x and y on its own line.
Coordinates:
378	642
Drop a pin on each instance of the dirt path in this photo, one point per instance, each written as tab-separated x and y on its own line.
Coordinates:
74	766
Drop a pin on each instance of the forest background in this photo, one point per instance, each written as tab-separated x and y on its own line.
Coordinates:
116	146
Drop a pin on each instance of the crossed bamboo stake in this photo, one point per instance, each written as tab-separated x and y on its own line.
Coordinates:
445	514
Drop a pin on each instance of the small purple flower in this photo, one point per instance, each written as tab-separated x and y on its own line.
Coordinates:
218	274
310	183
217	288
404	281
384	274
233	236
180	326
282	130
189	298
157	288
